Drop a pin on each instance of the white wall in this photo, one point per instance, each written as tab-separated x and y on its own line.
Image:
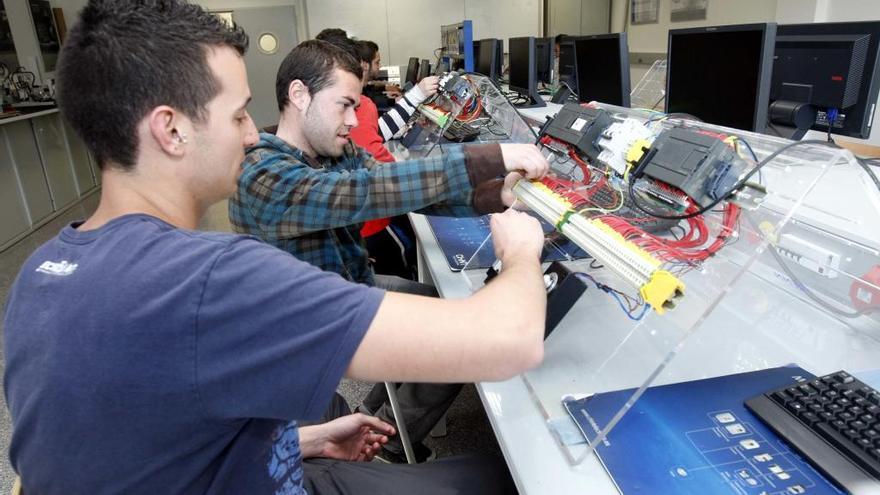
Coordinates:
411	28
653	37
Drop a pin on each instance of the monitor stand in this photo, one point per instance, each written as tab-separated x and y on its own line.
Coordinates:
535	100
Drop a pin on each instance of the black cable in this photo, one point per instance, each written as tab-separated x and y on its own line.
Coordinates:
658	102
739	185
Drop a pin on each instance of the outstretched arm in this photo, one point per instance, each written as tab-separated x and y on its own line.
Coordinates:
492	335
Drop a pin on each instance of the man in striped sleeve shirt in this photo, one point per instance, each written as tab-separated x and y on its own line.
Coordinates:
307	189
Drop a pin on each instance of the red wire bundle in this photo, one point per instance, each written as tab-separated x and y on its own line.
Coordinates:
687	249
690	249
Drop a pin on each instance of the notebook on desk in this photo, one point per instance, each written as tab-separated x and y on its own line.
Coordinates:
460	238
698	438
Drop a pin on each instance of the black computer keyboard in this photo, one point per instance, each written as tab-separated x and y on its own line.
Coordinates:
459	132
834	422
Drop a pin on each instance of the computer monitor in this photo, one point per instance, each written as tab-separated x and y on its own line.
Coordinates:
568	63
412	71
721	74
424	70
602	65
523	77
825	68
544	61
488	55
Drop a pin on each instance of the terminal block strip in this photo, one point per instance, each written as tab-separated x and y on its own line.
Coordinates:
658	287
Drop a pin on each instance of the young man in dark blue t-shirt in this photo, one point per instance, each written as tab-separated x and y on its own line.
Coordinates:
144	356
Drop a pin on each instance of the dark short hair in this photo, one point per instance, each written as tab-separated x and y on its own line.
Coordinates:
560	38
123	58
366	50
332	35
312	62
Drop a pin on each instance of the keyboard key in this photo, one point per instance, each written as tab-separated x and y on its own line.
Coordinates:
806	389
852	434
811	418
858	425
839	425
781	397
819	385
795	407
843	377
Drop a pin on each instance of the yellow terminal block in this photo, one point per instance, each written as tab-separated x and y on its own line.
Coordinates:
662	291
637	150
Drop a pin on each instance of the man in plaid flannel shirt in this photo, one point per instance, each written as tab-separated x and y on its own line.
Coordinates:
306	189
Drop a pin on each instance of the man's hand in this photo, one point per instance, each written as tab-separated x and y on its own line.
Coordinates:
516	236
429	86
354	437
507	196
526	159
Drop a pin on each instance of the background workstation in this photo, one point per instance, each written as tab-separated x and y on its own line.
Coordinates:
66	178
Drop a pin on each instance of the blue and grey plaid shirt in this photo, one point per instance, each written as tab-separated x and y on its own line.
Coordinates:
313	209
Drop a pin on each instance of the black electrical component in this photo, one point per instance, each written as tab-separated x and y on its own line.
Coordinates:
702	166
564	292
580	127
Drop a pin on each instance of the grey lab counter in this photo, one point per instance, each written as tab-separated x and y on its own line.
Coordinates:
44	169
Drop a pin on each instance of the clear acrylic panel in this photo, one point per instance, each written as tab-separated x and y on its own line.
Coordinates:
789	277
470	105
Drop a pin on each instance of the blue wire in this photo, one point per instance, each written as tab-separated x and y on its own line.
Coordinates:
607	290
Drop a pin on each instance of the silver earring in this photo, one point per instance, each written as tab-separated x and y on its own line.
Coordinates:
181	138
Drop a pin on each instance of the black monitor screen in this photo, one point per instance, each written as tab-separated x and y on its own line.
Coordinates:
603	69
567	65
544	56
484	53
721	75
518	53
412	70
424	70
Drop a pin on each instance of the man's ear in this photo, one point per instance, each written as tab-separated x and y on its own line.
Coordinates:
298	94
168	127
